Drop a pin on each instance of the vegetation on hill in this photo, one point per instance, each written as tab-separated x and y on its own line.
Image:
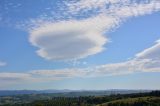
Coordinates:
136	99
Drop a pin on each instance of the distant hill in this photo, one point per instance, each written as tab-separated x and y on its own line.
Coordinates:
67	92
22	92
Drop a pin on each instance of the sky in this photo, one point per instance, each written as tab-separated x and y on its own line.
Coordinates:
79	44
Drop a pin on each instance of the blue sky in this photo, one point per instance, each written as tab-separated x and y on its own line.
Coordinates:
77	44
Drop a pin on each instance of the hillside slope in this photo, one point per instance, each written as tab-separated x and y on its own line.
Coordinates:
139	101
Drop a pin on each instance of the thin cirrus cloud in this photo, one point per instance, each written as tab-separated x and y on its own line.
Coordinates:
79	38
151	53
3	63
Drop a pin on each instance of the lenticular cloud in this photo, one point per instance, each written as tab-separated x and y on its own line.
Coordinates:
68	40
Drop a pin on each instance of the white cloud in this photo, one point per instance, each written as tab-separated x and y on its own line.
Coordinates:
13	76
75	39
119	8
10	79
135	9
61	73
146	61
69	40
151	53
86	5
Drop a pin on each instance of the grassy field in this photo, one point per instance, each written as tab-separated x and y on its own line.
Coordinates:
139	101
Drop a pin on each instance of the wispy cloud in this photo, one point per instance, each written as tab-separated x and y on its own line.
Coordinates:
140	63
2	63
119	9
151	53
